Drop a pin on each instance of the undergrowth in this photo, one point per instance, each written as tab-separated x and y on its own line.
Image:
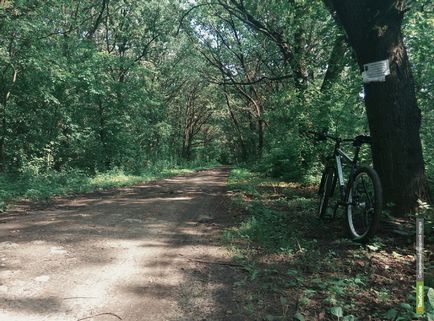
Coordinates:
36	185
300	268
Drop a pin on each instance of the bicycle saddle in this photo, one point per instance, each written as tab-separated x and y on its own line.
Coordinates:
362	139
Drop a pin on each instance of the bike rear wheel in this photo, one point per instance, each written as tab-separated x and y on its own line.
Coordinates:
364	204
325	190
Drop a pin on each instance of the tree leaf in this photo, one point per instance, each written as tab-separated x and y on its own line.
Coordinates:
391	314
270	317
430	296
337	311
299	317
405	306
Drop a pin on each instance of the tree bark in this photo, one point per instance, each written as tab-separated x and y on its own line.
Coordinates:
3	136
374	33
102	130
335	63
242	143
335	66
3	120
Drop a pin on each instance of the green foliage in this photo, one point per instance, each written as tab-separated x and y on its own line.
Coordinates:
73	98
276	233
88	103
266	227
35	185
269	227
285	162
337	311
130	91
418	23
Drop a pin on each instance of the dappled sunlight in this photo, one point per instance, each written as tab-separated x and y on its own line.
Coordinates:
285	244
85	255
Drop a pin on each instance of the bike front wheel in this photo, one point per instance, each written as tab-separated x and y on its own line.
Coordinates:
364	204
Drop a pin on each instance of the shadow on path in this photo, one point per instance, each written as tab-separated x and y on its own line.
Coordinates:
137	253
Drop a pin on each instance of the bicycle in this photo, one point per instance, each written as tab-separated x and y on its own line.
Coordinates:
361	195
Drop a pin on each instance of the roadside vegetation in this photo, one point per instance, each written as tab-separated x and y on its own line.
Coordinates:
302	268
33	184
102	94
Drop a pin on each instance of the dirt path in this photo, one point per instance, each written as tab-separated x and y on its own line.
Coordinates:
141	253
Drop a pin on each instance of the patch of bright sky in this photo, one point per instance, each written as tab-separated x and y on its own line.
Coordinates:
188	4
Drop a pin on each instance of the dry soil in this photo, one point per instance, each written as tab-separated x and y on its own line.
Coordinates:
149	252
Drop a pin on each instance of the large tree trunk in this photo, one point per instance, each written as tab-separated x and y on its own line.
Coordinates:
374	32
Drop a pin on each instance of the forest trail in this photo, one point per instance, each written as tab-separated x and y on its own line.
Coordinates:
148	252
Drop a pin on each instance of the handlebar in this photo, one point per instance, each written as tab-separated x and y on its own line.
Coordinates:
357	141
321	136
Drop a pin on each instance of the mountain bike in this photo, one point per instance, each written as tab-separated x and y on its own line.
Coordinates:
361	194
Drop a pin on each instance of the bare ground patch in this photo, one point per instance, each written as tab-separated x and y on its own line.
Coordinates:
130	253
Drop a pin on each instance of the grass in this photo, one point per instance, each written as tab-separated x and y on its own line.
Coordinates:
301	268
43	186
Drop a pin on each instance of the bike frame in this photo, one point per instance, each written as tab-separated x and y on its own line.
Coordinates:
362	208
341	157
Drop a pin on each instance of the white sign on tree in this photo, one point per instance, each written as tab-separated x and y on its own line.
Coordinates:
376	71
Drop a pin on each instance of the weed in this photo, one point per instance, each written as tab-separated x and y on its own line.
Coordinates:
383	295
34	184
328	274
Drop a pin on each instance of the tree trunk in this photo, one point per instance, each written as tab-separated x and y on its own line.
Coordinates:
3	121
336	65
105	157
260	137
186	146
3	136
374	32
241	141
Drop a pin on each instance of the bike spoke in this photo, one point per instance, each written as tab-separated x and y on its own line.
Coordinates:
363	192
362	205
366	190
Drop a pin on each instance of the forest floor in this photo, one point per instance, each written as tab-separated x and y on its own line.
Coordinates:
195	248
302	268
148	252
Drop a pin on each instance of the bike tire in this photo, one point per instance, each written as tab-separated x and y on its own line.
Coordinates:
325	190
364	202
